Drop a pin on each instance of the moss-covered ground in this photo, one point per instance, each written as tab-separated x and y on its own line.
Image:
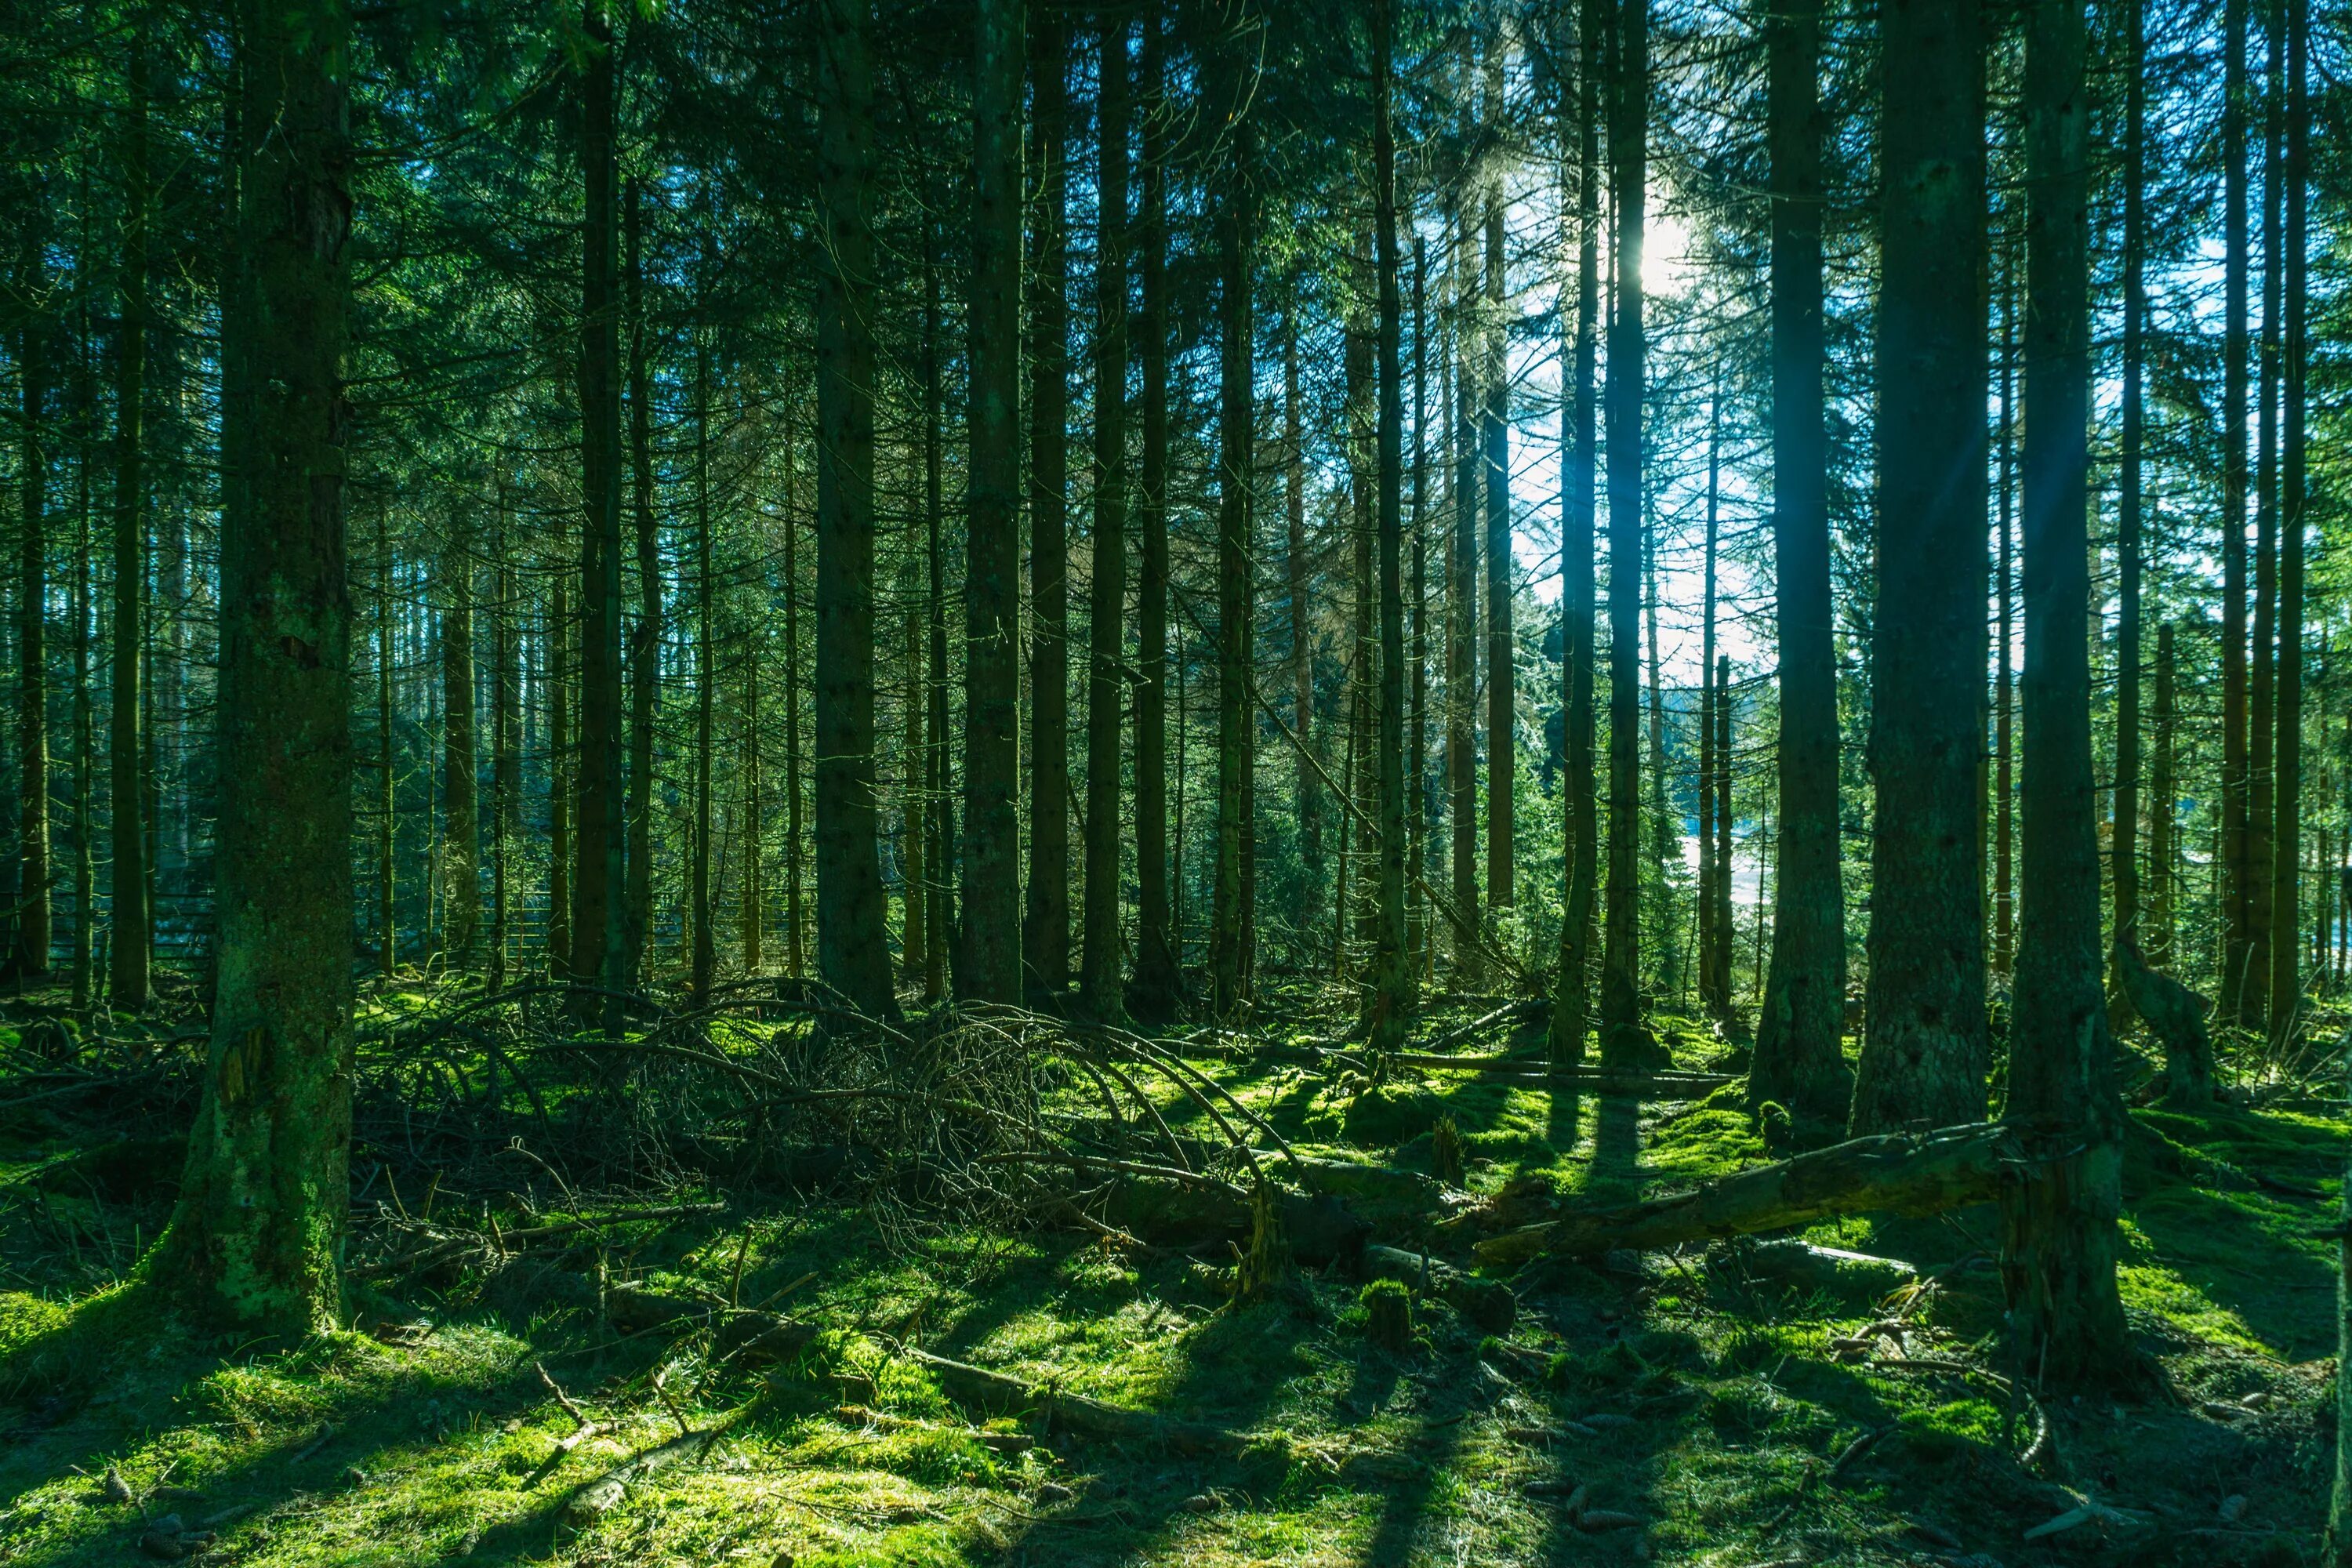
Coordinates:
1712	1408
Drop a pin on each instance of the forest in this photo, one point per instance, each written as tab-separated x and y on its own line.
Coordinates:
829	783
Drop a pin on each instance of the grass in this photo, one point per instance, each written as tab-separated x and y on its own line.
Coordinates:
1715	1405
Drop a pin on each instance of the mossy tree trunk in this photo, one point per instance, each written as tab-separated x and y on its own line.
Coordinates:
261	1206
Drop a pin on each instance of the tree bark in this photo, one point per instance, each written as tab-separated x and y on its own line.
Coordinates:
598	828
1799	1059
989	958
28	959
2124	849
1417	769
562	769
1392	980
1495	447
1713	1000
2286	903
461	833
1309	799
1926	1054
1231	925
1046	928
1462	639
939	822
2060	1242
2164	805
130	920
257	1230
1623	1041
852	944
2236	895
1098	958
646	637
1572	1004
2004	690
506	758
703	954
795	897
1157	981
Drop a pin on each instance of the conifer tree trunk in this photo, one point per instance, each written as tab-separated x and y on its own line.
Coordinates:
1926	1054
1495	445
1045	927
1099	963
1709	998
1308	798
387	888
938	833
461	811
2124	874
84	753
852	944
562	772
2286	903
989	958
1462	639
506	761
1719	914
256	1232
703	955
2236	894
131	921
598	828
27	960
2058	1262
1571	1006
1157	982
752	886
2163	804
913	812
1231	925
646	638
1623	1042
2004	826
1392	980
2263	698
1416	767
796	898
1800	1060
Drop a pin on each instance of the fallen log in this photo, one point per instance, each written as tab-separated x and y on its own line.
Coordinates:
1900	1173
748	1338
1661	1083
1006	1394
600	1497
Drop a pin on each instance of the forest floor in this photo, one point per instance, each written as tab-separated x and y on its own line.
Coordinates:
1709	1408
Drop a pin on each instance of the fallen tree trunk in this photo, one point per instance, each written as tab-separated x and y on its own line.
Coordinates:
749	1339
601	1496
1001	1393
1485	1302
1529	1068
1899	1173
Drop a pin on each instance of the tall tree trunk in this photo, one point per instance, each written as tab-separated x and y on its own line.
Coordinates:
703	955
1157	981
28	959
1713	1001
387	828
2124	850
1660	827
2058	1261
1727	935
1416	767
1571	1006
2163	805
2004	745
1392	978
2236	877
646	638
1308	798
751	888
795	879
913	789
933	672
1462	637
258	1225
1230	932
2262	804
1927	1054
599	848
461	813
2286	904
1098	960
987	965
563	774
1046	928
131	921
1494	445
853	945
1623	1040
84	717
1800	1054
505	760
